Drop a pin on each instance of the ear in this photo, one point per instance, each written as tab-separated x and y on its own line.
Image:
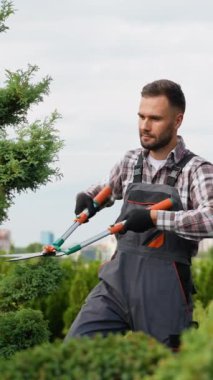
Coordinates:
178	121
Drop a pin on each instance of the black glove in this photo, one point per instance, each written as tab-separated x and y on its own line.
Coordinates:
138	221
84	201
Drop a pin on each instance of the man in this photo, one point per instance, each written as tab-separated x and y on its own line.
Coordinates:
147	285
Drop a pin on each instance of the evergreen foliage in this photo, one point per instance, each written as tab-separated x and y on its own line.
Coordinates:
57	288
54	305
6	9
20	287
135	356
27	160
112	358
20	330
26	282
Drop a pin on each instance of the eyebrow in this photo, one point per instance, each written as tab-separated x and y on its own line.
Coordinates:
155	117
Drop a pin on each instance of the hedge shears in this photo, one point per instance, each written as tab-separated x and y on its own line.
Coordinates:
56	248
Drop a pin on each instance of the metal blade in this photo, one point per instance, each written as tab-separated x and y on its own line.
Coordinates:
19	254
26	256
10	255
34	255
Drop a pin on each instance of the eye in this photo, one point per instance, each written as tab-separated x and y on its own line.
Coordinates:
156	118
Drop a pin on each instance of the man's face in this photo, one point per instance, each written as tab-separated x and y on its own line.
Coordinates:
158	122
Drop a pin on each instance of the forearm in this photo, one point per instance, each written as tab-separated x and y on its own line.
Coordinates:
94	189
193	224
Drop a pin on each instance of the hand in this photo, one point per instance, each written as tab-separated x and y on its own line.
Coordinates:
84	201
138	221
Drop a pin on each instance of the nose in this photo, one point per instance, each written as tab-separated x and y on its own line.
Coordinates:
144	124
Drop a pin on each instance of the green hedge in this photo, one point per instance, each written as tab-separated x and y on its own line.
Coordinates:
21	286
57	288
20	330
115	357
28	281
131	357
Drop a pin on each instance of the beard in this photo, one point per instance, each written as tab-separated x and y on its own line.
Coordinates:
157	142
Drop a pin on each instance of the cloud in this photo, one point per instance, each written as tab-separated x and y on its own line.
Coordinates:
131	10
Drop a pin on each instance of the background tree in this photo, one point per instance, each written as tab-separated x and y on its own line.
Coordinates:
6	10
26	159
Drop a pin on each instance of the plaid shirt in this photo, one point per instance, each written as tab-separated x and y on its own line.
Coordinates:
194	184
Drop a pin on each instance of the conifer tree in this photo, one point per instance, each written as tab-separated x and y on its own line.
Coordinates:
27	159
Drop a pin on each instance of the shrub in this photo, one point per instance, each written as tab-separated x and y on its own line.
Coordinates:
114	357
25	282
56	302
22	329
22	285
5	266
50	285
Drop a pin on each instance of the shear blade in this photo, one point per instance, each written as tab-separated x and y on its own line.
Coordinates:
26	256
31	256
21	256
10	255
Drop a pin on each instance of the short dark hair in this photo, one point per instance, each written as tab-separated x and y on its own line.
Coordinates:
170	89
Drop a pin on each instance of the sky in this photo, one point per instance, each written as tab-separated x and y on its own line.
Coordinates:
100	53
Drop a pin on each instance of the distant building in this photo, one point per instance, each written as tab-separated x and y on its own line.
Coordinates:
89	253
102	251
47	237
5	240
106	249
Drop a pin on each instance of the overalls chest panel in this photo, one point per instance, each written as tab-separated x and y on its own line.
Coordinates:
142	195
163	244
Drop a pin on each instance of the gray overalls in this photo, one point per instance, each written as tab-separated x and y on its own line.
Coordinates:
147	285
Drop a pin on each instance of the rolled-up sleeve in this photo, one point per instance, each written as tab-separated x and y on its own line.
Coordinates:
197	222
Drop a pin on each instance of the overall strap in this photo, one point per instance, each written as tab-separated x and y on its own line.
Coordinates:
177	169
138	170
172	177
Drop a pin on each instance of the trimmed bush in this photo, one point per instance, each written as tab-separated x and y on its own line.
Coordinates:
28	281
56	302
112	358
21	286
21	329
